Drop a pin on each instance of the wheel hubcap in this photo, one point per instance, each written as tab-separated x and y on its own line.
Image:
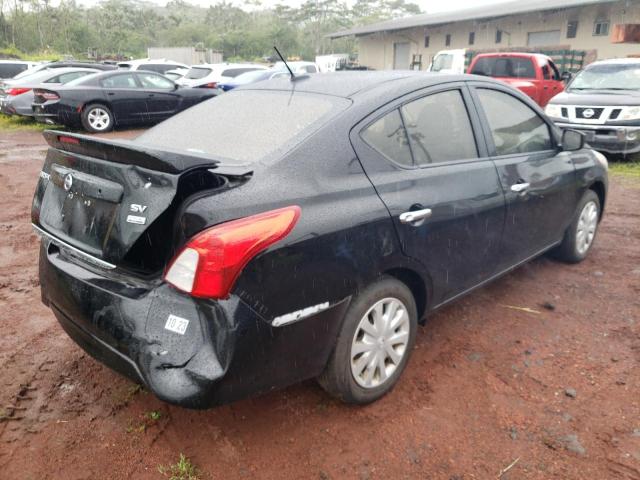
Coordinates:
380	342
587	224
98	118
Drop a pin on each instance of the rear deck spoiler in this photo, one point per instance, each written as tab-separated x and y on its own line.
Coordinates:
129	152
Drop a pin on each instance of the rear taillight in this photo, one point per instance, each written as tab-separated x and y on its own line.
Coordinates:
209	85
210	263
17	91
47	95
66	139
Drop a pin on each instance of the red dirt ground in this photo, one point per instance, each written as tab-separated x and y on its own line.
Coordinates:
486	386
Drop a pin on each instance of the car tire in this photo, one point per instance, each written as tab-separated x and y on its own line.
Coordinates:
371	352
97	118
579	237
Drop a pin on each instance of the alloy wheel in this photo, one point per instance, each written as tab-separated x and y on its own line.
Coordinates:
98	118
380	343
587	224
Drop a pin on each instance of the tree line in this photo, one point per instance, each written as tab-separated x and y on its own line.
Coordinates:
246	31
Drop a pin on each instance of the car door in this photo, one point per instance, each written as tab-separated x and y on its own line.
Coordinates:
431	170
537	178
162	98
125	96
551	82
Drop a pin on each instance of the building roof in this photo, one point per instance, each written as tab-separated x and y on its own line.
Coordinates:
482	12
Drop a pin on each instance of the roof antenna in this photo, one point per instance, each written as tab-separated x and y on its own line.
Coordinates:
293	77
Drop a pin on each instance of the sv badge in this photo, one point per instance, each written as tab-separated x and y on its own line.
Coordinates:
134	207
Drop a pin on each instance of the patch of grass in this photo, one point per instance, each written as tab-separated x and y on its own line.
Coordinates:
626	169
148	419
182	470
16	122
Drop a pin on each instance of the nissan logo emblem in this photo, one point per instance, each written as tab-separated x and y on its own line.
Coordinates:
588	113
68	181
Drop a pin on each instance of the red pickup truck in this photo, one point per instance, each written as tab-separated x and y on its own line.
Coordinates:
535	74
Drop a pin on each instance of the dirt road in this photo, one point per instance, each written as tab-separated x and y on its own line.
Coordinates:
554	388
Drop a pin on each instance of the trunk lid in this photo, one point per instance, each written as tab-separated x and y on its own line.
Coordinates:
97	197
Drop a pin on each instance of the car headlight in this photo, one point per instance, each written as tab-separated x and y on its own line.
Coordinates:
602	160
553	110
629	113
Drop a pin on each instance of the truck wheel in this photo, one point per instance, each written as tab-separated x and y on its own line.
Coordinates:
374	344
581	234
97	118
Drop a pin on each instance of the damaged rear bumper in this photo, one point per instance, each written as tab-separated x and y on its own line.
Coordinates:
189	352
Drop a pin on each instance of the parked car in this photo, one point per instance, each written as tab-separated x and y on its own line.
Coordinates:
298	67
252	77
449	61
210	75
603	102
158	65
11	68
16	96
102	101
176	73
535	74
291	230
64	64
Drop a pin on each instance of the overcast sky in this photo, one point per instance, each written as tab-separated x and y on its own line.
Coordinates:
429	6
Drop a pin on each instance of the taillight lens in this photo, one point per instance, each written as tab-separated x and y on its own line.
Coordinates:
210	263
210	85
47	95
17	91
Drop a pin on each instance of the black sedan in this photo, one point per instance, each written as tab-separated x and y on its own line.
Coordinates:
292	230
100	102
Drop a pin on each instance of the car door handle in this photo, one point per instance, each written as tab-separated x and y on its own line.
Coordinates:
152	94
415	216
520	187
111	93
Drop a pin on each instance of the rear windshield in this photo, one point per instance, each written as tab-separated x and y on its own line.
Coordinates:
234	72
197	72
10	70
511	67
245	126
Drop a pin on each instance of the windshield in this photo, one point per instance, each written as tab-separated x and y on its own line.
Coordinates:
81	80
443	61
245	126
617	76
196	73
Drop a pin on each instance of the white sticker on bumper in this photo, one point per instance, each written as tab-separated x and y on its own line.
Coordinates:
176	324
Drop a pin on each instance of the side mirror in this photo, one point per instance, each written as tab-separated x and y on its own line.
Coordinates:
572	140
566	76
176	86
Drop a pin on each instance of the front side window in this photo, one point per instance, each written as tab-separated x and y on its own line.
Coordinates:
388	136
119	81
439	128
515	127
149	80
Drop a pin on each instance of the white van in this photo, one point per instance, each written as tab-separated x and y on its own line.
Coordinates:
449	61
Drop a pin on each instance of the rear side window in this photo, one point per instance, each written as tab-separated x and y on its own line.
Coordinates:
149	80
119	81
388	136
245	126
439	128
510	67
9	70
234	72
515	127
67	77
